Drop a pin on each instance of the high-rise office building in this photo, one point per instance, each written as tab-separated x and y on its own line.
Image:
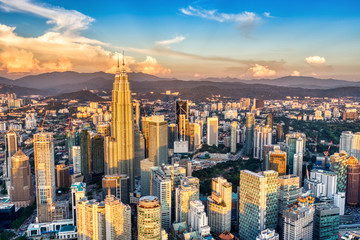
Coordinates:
145	166
322	183
288	192
78	190
258	202
195	136
173	135
158	142
219	205
110	219
85	146
97	154
184	128
11	146
137	113
21	186
233	137
355	148
249	134
44	175
145	131
198	220
338	165
76	154
298	219
212	131
269	120
353	182
119	186
346	139
296	145
161	188
326	222
62	176
277	161
279	133
339	201
262	137
139	150
181	107
103	129
186	192
149	218
120	147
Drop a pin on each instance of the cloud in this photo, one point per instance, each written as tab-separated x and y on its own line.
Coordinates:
245	20
171	41
295	73
69	21
262	71
315	60
268	15
150	66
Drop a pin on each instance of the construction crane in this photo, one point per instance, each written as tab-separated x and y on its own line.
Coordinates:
327	153
68	126
42	124
144	110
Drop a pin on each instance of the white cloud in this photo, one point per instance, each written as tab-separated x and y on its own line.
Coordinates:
268	15
262	71
245	20
171	41
220	17
315	60
64	20
295	73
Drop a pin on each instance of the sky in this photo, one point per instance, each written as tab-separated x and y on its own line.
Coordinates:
248	39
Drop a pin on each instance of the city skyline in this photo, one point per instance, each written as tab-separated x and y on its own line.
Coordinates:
246	40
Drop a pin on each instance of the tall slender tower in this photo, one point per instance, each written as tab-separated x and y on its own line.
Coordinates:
120	147
44	175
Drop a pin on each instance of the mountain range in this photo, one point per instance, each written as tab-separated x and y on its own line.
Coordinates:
56	83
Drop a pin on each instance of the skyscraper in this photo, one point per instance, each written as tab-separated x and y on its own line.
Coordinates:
296	143
120	147
110	219
258	202
103	129
298	219
97	154
326	222
184	128
145	175
353	182
158	142
277	161
233	137
262	137
346	139
21	186
119	186
338	165
85	145
195	136
78	190
219	205
249	134
279	133
161	188
186	192
181	107
11	144
173	135
212	131
198	220
137	113
355	148
139	150
270	120
76	154
44	175
149	218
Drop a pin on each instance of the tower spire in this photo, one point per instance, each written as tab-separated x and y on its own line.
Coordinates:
118	65
123	58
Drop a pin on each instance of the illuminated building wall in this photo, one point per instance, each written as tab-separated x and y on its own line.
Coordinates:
149	218
186	192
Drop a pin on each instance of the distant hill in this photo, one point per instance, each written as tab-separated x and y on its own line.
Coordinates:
81	96
20	91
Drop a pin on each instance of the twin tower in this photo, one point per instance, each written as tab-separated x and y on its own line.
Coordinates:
120	146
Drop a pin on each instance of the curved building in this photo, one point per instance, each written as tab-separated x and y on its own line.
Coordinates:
149	218
353	179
